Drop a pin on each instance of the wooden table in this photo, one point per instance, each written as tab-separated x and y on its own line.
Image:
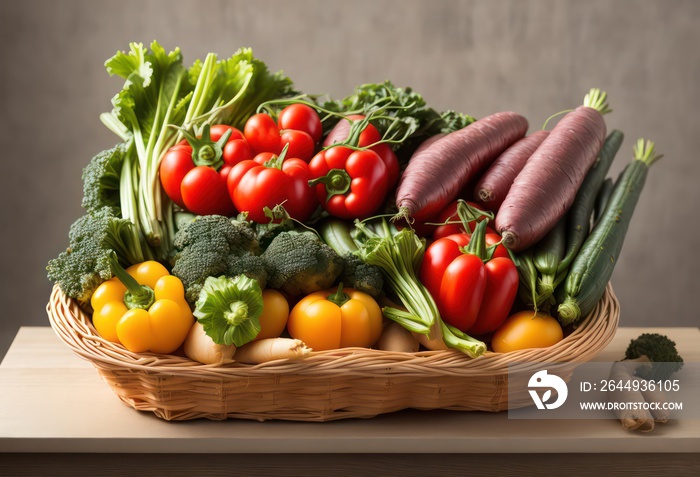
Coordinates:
55	412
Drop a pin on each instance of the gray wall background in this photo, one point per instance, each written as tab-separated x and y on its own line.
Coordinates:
535	57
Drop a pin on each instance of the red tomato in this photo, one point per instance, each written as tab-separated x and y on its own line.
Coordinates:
299	144
301	117
204	192
341	130
262	134
369	135
237	150
263	157
253	186
174	166
218	130
184	163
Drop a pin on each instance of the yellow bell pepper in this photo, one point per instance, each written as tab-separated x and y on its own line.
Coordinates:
143	308
334	319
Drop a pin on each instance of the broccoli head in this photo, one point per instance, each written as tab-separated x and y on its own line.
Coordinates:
212	246
85	264
101	179
361	276
658	349
300	263
252	266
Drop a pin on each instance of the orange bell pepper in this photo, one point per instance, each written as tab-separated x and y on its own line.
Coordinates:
334	319
143	308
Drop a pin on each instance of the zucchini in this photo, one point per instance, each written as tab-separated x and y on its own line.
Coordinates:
579	216
547	255
602	200
592	268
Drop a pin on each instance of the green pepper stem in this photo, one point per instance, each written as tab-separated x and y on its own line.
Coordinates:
339	297
206	152
337	182
137	295
477	242
237	313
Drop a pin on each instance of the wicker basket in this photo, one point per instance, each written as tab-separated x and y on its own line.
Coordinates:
328	385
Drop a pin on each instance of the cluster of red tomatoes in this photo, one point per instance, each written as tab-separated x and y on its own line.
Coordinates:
283	162
350	173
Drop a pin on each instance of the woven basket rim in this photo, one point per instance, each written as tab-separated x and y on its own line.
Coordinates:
590	335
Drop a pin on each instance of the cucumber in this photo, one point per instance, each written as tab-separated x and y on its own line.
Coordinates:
579	216
592	268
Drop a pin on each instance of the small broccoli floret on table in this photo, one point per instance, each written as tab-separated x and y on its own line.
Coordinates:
300	263
212	246
657	349
361	276
85	264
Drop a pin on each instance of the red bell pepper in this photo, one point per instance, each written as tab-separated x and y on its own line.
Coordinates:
193	172
473	290
258	184
349	183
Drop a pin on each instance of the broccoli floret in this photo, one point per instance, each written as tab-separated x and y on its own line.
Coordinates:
101	179
212	246
658	349
361	276
252	266
300	263
86	262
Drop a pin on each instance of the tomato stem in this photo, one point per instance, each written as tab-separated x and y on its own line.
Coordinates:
206	152
477	242
337	182
275	162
